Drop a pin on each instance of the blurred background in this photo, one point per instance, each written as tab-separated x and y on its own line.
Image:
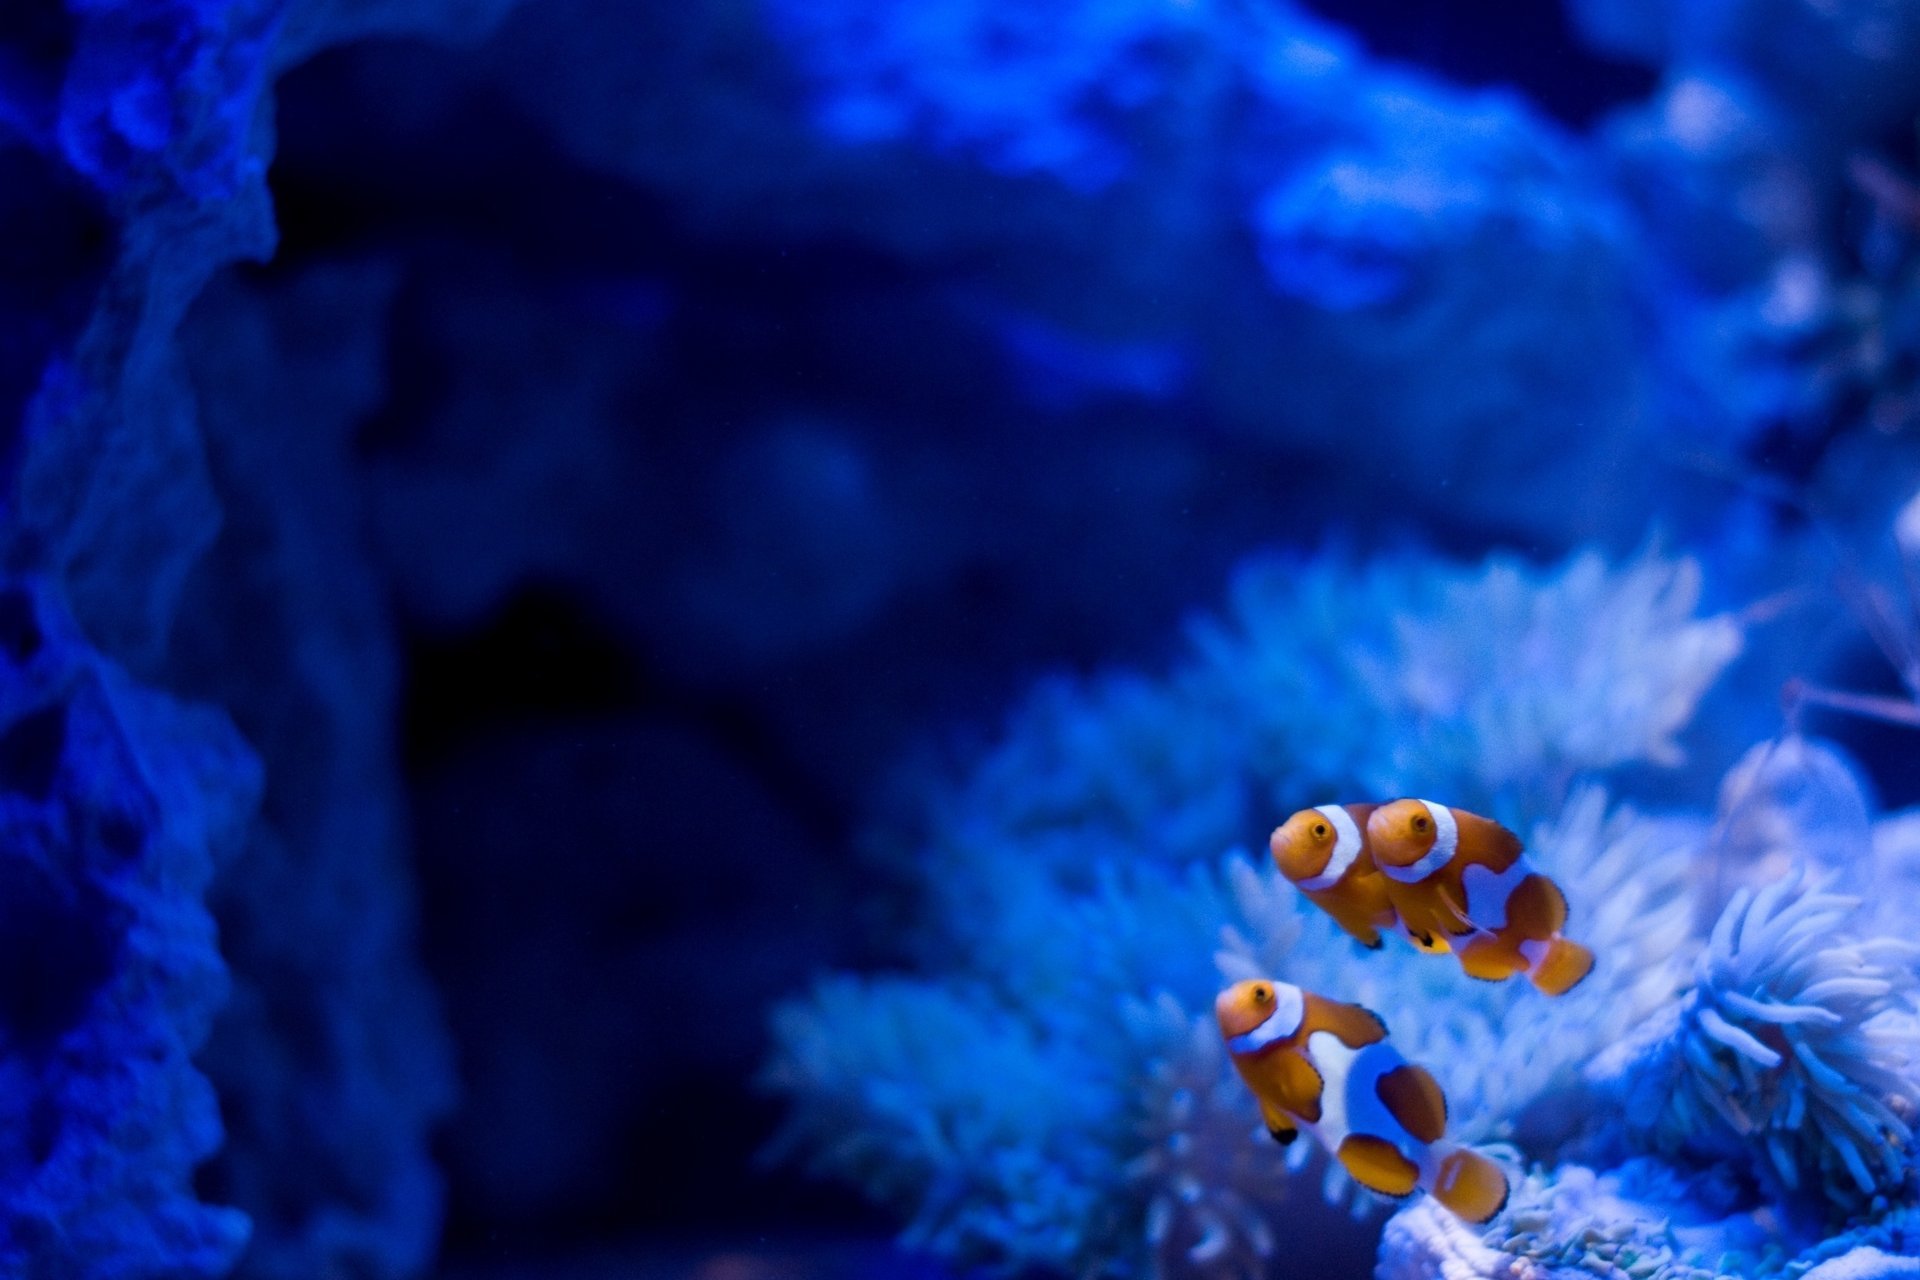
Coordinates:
604	457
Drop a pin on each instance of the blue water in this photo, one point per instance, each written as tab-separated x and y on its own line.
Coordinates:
662	640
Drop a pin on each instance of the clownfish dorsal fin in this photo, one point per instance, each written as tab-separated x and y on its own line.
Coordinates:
1356	1025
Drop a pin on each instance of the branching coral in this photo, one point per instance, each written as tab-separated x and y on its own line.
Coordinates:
1794	1049
1075	894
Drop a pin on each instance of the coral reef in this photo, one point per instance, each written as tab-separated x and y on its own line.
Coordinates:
331	1059
145	129
1776	1089
828	365
1073	91
1233	191
1472	714
119	804
1075	871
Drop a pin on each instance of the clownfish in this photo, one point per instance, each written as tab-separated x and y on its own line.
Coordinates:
1326	1067
1323	852
1457	877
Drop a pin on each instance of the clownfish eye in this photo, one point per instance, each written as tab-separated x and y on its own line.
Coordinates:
1319	831
1262	994
1420	823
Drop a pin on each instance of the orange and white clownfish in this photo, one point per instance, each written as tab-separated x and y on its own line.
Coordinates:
1323	852
1326	1067
1457	876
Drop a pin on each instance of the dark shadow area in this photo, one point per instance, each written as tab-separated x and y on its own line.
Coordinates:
1529	46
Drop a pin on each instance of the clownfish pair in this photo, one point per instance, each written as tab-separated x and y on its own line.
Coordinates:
1326	1067
1449	879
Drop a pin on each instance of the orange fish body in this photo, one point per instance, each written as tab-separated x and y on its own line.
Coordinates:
1458	877
1326	1067
1323	852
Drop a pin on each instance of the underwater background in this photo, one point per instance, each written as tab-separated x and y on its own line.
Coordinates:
660	639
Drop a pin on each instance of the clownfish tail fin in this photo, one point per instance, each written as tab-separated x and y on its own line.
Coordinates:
1559	966
1470	1184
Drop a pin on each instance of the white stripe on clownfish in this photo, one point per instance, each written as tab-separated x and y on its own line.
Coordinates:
1488	891
1446	839
1289	1008
1346	847
1350	1097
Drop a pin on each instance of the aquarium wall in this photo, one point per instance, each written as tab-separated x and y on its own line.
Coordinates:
663	640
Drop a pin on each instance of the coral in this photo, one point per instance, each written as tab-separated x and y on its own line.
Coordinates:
157	107
1880	1245
1844	63
1384	690
1226	207
157	97
1641	1220
1793	1050
1418	178
1784	313
147	127
1213	1194
1864	1262
332	1057
1048	90
992	1153
117	803
1073	888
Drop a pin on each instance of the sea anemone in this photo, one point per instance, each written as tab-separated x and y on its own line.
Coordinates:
1500	1048
1046	1091
1795	1048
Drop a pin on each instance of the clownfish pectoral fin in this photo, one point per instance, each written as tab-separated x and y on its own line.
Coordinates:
1459	925
1300	1087
1280	1125
1471	1185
